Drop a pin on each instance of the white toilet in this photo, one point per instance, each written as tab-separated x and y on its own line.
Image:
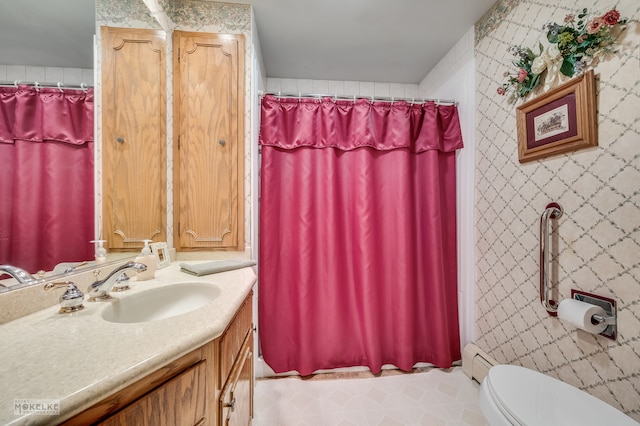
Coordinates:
513	395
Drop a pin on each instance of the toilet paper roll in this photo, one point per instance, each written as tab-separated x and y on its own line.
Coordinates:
579	315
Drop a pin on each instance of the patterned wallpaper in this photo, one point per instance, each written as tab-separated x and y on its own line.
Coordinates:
599	233
124	13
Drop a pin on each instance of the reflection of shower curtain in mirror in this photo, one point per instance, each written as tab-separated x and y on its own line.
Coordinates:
46	176
357	234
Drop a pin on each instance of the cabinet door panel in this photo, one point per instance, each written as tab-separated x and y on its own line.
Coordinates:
236	335
237	395
209	113
178	402
133	136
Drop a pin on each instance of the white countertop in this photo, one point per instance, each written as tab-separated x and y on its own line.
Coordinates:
80	359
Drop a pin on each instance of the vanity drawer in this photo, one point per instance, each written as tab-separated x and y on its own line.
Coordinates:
230	343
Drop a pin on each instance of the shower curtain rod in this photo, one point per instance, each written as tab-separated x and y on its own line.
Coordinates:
354	97
38	84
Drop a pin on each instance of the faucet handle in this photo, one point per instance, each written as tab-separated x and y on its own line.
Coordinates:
122	283
71	269
71	300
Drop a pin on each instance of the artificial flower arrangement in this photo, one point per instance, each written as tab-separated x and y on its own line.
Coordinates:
574	46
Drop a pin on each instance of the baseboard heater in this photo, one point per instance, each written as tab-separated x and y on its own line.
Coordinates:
476	363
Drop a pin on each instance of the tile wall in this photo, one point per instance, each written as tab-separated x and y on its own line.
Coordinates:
345	88
599	233
69	76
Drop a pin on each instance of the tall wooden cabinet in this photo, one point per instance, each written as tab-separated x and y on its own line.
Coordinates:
208	141
133	136
208	157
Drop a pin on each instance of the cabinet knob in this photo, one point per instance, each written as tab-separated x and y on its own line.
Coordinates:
222	142
231	404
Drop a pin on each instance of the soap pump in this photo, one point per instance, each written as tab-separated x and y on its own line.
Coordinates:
100	251
148	259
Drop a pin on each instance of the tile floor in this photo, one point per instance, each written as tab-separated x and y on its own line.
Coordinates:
433	397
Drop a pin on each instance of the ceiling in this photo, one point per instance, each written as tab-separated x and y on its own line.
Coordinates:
364	40
55	33
396	41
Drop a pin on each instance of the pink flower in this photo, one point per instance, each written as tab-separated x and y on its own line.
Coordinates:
611	17
569	18
501	91
580	39
595	25
522	75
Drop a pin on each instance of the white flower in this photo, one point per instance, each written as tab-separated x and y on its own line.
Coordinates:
554	52
539	64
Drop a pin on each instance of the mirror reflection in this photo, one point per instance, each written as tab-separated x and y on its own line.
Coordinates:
46	134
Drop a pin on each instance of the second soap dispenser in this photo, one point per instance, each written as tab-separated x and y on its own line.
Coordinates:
148	259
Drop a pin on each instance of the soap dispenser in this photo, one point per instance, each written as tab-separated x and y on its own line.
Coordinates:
100	251
148	259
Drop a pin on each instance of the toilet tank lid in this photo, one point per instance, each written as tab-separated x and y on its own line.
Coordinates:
535	399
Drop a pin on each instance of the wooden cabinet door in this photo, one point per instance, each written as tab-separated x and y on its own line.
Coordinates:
234	338
208	141
236	400
178	402
133	136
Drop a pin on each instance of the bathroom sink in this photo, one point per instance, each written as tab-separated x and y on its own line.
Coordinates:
161	302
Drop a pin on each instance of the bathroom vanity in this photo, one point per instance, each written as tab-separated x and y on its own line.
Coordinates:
195	368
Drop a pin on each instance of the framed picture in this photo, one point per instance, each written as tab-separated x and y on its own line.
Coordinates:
162	254
561	120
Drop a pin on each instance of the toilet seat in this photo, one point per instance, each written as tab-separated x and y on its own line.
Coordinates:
513	395
501	415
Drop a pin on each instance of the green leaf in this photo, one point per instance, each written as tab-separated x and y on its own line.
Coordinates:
567	67
533	82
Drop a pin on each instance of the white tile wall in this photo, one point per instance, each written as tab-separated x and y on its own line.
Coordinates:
452	62
341	88
46	74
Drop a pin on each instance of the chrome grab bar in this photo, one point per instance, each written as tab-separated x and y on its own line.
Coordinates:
552	211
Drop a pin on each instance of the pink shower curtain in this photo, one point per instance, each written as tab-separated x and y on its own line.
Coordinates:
357	234
46	177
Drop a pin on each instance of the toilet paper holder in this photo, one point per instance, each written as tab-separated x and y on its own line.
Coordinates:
609	306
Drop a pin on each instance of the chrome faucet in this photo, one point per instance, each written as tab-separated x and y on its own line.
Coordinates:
100	289
22	276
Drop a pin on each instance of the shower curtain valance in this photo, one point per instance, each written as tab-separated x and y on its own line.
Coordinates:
46	115
291	123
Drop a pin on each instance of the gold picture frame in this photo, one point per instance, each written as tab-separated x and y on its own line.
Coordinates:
561	120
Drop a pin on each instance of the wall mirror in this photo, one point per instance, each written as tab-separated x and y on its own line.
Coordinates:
52	34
